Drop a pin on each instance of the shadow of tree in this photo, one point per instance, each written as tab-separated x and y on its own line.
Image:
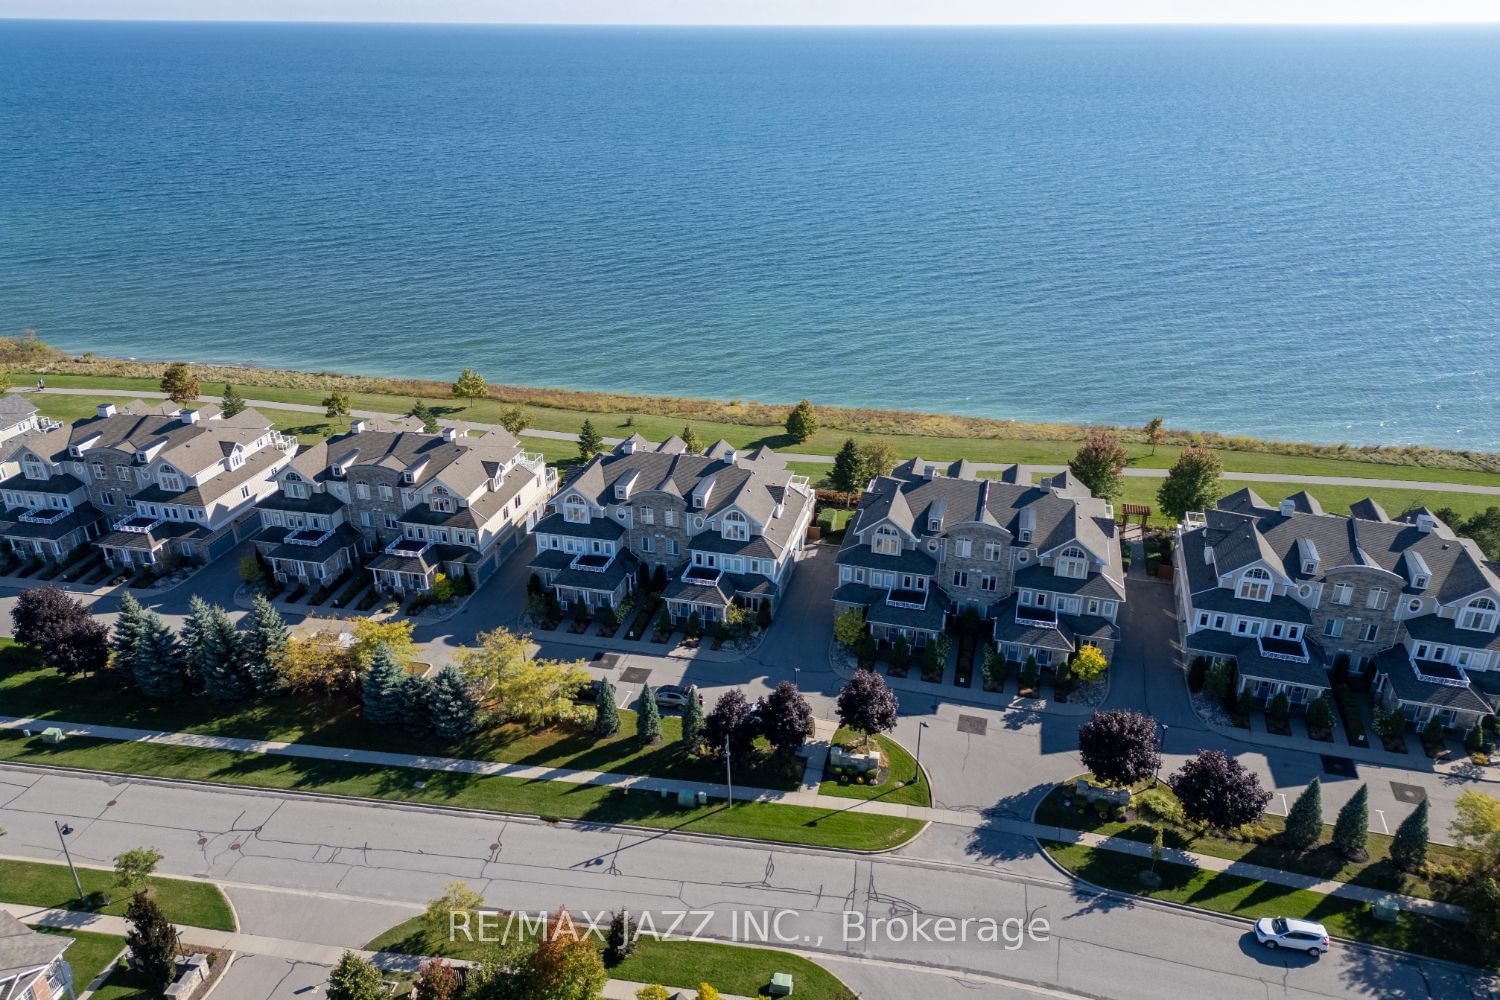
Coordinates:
996	839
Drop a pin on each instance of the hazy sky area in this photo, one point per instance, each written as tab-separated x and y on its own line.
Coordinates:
765	12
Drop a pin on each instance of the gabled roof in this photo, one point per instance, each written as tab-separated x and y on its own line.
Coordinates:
14	407
24	950
463	464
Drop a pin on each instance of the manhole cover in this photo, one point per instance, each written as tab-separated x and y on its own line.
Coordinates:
111	802
634	675
972	724
234	847
1343	767
607	661
1410	794
202	841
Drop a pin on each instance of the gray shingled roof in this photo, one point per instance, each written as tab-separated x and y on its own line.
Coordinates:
24	950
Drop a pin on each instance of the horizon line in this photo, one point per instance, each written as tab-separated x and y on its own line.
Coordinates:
758	24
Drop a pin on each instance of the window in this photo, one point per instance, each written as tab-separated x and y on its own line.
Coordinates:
962	548
35	469
100	472
1333	628
1376	599
386	493
1343	593
1479	615
296	491
1093	605
735	528
886	541
645	543
1072	562
1371	633
1255	585
390	520
575	510
669	517
122	472
1040	600
364	518
988	584
107	498
992	551
1203	619
960	578
1278	630
671	546
648	515
362	490
245	492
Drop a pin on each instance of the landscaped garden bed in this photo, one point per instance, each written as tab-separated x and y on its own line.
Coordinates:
897	780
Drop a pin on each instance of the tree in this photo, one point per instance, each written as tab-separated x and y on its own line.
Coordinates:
1481	896
1119	747
1351	830
1477	825
354	978
81	647
1216	790
707	992
514	419
565	964
1154	433
900	654
1089	664
849	627
336	405
1279	707
731	724
876	459
1409	847
590	443
370	635
653	991
1304	822
381	689
179	383
40	614
265	644
157	665
416	703
457	897
866	705
535	693
647	719
211	651
318	664
1191	484
693	722
232	404
469	387
1098	464
423	412
802	422
455	713
250	571
129	624
606	712
619	941
1320	714
436	980
786	718
152	941
690	440
848	469
134	867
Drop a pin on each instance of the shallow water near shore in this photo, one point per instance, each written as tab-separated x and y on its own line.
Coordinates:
1288	233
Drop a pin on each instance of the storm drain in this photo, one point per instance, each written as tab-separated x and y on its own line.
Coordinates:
1410	794
972	724
634	675
607	661
1341	767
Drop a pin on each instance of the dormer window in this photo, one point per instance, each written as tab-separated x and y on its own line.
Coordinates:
625	484
34	469
734	527
886	542
575	510
441	502
1478	615
1072	562
1255	585
1419	582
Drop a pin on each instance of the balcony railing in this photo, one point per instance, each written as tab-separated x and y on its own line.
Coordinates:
1290	650
1039	617
1433	672
916	600
45	515
592	562
408	547
140	524
310	537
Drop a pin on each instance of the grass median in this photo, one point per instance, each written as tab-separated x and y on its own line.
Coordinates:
813	827
898	786
40	883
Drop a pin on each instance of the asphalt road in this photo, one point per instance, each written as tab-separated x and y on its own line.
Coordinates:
332	861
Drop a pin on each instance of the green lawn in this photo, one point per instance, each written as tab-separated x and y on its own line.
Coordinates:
898	787
1321	861
89	954
826	442
678	964
1244	897
36	883
550	799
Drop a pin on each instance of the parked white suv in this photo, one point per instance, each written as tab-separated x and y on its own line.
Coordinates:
1289	932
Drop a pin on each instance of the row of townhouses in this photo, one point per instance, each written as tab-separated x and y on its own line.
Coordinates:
1041	564
1288	590
725	526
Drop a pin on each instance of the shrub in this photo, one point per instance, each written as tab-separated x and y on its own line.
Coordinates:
1219	681
1320	714
1432	733
1390	725
1029	674
1158	803
864	649
1279	708
900	653
653	992
1197	673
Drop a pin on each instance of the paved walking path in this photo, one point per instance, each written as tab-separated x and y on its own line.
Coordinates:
807	795
257	944
1026	470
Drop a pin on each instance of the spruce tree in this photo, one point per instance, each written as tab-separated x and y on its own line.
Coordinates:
590	443
129	625
606	713
1304	823
416	698
232	403
158	663
455	714
848	467
264	643
691	441
648	719
195	639
1351	830
152	941
693	722
1409	846
211	649
381	688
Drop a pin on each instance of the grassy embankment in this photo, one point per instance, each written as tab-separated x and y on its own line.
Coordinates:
38	883
898	786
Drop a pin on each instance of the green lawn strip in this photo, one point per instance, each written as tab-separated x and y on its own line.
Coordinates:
896	787
125	984
89	954
622	423
552	799
26	690
1321	861
39	883
1243	897
673	963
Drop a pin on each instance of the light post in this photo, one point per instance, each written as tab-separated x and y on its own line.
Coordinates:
917	779
728	772
797	678
67	854
1161	742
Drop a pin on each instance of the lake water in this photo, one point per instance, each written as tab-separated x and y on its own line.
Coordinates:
1285	232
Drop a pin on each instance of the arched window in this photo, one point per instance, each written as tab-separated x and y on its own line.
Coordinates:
575	510
1255	585
735	527
886	541
1072	562
1479	615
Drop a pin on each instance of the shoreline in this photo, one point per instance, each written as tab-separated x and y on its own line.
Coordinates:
28	357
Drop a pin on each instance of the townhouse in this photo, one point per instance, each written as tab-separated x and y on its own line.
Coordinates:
17	416
32	966
930	541
143	483
722	527
414	504
1288	591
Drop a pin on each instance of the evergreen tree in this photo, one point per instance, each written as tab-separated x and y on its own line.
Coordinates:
606	712
129	625
423	412
693	722
416	698
620	941
1351	830
158	665
381	688
211	651
1409	846
590	443
232	403
802	422
264	646
1304	823
648	719
691	441
848	469
455	713
152	941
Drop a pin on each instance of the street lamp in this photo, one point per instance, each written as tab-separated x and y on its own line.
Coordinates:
1161	743
728	772
917	780
797	678
68	854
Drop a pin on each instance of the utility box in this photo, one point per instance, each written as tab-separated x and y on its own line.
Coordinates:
686	800
703	798
1385	908
781	984
52	735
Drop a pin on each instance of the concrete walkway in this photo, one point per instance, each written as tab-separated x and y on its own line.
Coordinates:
1026	470
807	796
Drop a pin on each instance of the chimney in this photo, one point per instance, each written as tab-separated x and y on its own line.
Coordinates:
1425	523
450	433
1208	555
188	416
1288	507
106	410
359	426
